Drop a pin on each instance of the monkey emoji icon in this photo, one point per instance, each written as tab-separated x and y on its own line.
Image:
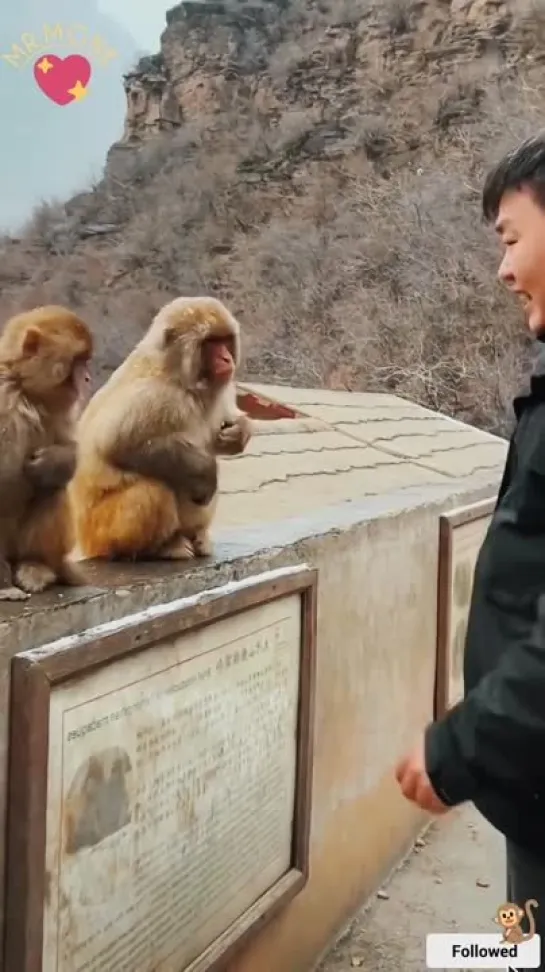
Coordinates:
510	915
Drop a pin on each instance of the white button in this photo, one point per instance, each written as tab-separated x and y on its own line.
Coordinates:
467	951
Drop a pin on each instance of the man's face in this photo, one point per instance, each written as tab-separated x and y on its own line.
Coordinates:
521	228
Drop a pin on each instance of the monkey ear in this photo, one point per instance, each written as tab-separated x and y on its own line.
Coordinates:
32	341
169	336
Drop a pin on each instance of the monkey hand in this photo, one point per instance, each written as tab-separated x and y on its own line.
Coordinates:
52	467
234	437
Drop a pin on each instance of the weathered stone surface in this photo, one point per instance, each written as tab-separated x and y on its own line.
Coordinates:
209	48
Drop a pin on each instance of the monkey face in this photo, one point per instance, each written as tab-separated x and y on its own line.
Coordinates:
58	377
509	915
200	340
49	350
80	378
217	360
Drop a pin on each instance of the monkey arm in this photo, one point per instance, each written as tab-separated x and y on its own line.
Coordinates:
146	433
52	467
492	741
178	464
14	451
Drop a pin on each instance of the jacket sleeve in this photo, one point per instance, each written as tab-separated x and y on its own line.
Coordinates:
495	737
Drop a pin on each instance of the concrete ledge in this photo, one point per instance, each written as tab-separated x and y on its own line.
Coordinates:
377	612
115	590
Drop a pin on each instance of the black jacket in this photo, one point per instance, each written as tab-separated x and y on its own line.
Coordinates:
490	748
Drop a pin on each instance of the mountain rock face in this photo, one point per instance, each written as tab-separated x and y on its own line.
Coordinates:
152	105
319	167
213	51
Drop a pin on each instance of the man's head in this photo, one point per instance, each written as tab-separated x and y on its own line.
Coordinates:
514	199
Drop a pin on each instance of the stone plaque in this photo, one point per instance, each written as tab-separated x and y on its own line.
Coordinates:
176	781
461	533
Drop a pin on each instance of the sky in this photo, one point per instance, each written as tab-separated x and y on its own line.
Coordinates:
145	19
55	149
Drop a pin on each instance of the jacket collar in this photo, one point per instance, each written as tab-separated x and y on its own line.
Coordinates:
534	386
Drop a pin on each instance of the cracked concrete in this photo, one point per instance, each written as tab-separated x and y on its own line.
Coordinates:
453	881
319	457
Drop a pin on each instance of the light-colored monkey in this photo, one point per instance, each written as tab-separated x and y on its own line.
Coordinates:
147	476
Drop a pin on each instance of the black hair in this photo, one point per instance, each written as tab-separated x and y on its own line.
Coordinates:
524	167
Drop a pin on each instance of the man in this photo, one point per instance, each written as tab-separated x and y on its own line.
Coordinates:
490	748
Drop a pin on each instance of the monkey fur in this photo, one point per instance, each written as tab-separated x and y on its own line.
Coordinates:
146	482
43	370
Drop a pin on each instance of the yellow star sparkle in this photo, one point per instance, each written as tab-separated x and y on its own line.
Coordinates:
45	65
79	91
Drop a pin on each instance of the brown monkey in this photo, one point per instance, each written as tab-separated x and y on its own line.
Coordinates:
44	355
146	481
510	915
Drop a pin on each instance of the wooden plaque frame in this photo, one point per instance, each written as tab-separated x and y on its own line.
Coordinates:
449	523
36	672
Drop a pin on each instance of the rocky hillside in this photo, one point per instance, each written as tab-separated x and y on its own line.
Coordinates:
319	167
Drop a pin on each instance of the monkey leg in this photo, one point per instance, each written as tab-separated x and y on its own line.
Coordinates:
202	543
179	548
8	591
13	594
34	577
135	522
195	521
184	548
193	537
42	546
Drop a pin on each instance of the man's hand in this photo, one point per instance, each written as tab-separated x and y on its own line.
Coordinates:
415	783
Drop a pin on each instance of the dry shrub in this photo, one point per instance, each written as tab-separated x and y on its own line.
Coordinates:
368	270
405	303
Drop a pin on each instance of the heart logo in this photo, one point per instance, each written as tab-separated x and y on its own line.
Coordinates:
63	79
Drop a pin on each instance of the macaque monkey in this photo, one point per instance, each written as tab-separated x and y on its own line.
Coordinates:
147	475
44	376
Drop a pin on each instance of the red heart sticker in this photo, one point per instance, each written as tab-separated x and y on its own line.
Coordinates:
63	79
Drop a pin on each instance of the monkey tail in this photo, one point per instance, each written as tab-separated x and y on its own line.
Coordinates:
531	903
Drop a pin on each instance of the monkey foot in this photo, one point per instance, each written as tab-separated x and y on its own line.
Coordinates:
34	578
179	549
203	545
13	594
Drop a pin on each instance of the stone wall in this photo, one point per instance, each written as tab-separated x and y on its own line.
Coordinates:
377	607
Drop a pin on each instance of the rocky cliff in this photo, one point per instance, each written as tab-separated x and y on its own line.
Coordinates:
217	54
317	165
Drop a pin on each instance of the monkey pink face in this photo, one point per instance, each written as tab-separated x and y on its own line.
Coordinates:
218	361
509	917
